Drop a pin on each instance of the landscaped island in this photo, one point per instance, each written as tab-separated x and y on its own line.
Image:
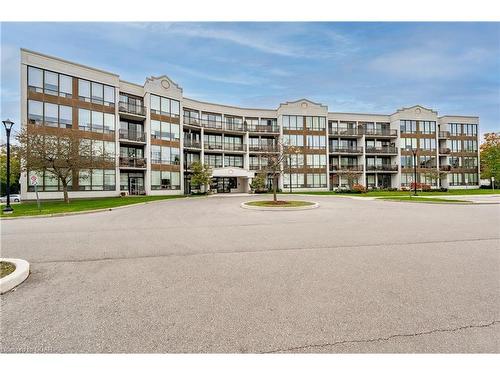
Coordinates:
280	204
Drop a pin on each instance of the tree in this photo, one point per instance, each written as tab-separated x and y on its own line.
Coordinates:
202	175
276	161
15	169
60	152
490	156
352	178
259	182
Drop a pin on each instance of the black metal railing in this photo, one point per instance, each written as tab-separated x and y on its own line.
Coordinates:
381	132
382	167
346	168
381	150
134	109
347	150
192	143
132	162
132	135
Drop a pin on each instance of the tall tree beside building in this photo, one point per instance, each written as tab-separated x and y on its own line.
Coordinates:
202	175
62	154
490	156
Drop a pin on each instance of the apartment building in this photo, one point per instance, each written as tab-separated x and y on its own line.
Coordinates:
153	134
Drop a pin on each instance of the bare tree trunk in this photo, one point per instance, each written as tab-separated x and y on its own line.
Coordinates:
275	186
65	190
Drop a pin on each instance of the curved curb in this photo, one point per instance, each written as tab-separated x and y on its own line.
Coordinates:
300	208
20	274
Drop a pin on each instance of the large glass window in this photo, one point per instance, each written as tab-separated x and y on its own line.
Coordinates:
109	123
109	179
97	122
155	103
84	119
165	106
408	126
155	129
65	85
174	108
35	79
35	112
51	114
84	90
97	93
65	116
51	83
109	95
155	154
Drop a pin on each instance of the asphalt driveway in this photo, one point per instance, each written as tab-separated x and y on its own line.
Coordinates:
204	275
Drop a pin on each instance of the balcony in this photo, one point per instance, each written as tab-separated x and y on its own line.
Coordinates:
346	168
263	148
130	162
191	121
345	132
381	132
263	129
445	168
345	150
444	134
213	146
134	109
383	168
190	143
381	150
234	147
235	127
211	124
444	150
128	135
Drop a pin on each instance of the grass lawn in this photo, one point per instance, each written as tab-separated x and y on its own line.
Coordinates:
279	203
384	193
76	205
6	268
423	200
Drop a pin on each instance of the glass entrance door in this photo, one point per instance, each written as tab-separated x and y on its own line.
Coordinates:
225	184
136	185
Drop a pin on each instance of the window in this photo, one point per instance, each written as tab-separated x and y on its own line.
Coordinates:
50	182
155	104
35	112
293	122
109	179
155	154
408	126
470	145
97	122
470	162
165	106
164	180
175	131
427	127
65	116
316	161
174	108
155	129
51	83
233	161
214	161
316	180
51	117
456	145
297	180
109	123
315	123
293	140
83	119
455	179
65	86
97	176
428	144
316	141
109	95
84	90
35	79
470	179
409	143
97	93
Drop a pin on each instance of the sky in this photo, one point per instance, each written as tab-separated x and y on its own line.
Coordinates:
453	68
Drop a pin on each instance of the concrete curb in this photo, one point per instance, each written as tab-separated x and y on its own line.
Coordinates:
88	211
20	274
300	208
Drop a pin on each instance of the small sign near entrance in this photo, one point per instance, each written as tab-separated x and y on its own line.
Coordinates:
34	180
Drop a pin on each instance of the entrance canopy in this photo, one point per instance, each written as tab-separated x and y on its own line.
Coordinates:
232	172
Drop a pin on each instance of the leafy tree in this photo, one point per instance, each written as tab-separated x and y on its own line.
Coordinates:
490	156
61	153
259	182
276	161
202	175
15	169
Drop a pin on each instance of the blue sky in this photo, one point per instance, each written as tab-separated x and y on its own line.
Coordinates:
453	68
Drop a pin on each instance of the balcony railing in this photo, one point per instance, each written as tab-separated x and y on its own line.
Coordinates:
346	132
445	168
212	146
235	127
444	150
132	108
191	121
263	148
263	129
192	143
381	150
347	150
235	147
132	136
381	132
382	167
211	124
132	162
444	134
346	168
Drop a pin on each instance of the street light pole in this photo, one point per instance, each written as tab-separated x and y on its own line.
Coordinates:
414	151
290	170
8	126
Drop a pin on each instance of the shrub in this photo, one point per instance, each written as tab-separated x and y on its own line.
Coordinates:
258	183
358	188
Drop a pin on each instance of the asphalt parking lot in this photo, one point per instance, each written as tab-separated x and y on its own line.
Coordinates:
204	275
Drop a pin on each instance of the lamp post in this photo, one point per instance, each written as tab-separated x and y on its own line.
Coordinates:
414	152
8	126
493	182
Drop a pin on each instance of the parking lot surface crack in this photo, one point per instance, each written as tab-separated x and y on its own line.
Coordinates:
381	339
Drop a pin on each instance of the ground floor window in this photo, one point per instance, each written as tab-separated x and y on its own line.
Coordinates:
455	179
88	180
165	180
297	180
316	180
